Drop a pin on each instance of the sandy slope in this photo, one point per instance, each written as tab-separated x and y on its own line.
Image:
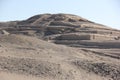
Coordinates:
28	58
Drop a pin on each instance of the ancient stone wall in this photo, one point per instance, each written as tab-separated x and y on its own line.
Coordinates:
102	37
85	37
73	37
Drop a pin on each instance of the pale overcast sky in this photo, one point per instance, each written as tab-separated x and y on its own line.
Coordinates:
106	12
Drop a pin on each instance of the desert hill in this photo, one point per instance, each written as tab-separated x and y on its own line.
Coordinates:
65	29
58	47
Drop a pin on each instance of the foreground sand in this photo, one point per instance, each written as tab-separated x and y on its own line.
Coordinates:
28	58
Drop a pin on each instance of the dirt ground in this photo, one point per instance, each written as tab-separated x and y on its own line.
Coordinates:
29	58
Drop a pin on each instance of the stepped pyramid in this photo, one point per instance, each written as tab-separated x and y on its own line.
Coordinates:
68	29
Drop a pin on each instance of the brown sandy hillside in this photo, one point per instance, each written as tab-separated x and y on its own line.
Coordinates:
83	50
66	29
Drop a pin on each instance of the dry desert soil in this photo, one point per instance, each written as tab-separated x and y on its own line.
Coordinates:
58	47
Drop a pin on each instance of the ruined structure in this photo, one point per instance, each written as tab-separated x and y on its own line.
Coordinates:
61	28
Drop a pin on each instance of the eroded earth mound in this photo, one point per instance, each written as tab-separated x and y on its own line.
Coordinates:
58	47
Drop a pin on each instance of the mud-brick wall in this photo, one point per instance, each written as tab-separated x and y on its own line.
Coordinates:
74	37
102	37
103	32
58	29
85	37
116	33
